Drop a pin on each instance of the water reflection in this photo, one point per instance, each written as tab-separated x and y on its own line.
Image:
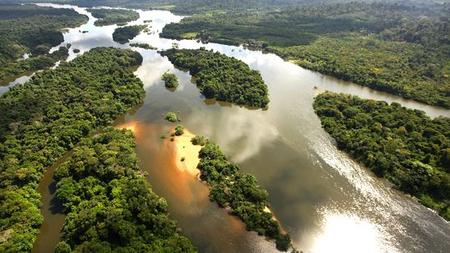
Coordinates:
351	234
323	198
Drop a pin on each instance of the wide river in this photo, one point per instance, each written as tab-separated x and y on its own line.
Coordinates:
326	201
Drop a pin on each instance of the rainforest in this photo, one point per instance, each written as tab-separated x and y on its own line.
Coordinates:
224	126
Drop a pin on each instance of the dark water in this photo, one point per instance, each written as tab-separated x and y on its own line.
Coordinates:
325	200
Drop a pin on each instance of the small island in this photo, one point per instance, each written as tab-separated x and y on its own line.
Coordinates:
143	45
221	77
172	117
113	16
124	34
402	145
170	80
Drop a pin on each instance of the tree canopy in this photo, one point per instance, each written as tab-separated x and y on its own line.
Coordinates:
110	207
32	30
44	118
125	34
113	16
221	77
398	47
403	145
240	192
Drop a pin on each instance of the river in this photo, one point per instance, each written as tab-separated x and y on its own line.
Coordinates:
325	200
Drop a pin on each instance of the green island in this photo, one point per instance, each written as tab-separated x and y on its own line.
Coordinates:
403	145
240	192
172	117
46	117
124	34
221	77
170	80
110	206
32	30
143	45
113	16
400	48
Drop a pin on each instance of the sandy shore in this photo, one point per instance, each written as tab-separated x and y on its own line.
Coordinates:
187	152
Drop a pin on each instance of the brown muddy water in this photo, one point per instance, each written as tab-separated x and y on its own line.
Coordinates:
325	200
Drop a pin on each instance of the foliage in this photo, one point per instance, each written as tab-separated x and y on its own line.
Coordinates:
179	130
199	140
170	80
31	29
403	145
110	207
240	192
40	62
172	117
125	34
47	116
113	16
221	77
142	45
401	48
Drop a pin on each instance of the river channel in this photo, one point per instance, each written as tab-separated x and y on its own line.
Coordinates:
325	200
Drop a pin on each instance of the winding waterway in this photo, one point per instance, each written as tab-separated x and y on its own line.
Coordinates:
326	201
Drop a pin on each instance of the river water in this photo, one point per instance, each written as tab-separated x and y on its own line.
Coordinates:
326	201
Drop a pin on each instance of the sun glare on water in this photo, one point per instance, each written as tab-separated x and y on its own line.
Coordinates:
350	234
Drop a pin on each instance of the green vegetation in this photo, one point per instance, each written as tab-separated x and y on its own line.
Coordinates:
113	16
44	118
221	77
170	80
241	193
405	146
179	130
33	30
199	140
110	207
401	48
143	45
125	34
172	117
14	69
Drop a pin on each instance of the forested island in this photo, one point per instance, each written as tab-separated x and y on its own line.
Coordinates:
221	77
110	206
403	145
240	192
400	48
32	30
125	34
170	80
113	16
47	116
142	45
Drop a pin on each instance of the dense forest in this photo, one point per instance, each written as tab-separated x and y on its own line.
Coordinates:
110	207
221	77
125	34
399	48
113	16
170	80
44	118
33	30
403	145
240	192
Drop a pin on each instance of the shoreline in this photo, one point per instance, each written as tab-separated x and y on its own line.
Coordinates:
186	153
